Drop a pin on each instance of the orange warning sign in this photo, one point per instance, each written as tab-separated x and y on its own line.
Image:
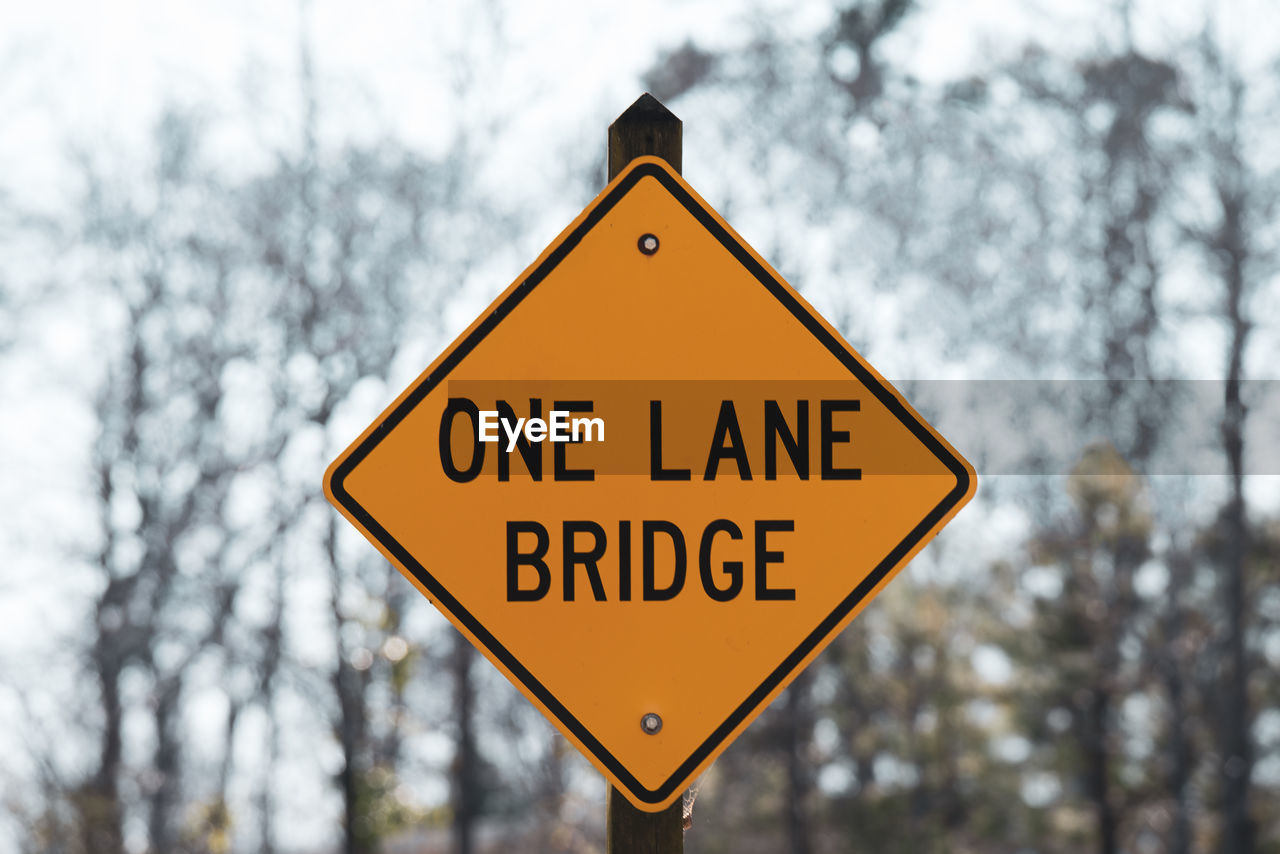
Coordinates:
650	483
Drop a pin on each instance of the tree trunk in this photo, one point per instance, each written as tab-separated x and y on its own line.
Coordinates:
348	688
267	795
797	727
1098	761
1237	754
100	813
165	797
1180	747
349	776
466	788
272	645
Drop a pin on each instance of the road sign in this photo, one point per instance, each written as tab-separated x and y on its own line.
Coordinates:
742	483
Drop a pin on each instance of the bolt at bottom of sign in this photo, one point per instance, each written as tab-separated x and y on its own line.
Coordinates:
651	723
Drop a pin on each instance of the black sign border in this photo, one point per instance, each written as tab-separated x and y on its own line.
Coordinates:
495	316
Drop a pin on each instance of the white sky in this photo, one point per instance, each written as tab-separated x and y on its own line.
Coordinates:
105	68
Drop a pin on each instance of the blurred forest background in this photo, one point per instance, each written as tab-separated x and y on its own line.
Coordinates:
206	291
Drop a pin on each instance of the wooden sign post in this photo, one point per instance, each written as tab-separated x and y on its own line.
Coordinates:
646	128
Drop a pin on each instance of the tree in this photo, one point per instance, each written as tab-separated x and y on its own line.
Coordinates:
164	465
1239	260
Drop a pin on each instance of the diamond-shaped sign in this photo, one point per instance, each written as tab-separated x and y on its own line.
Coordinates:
742	483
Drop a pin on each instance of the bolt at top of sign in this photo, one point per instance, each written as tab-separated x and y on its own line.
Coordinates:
756	483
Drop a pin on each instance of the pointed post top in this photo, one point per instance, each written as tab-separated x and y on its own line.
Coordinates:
645	109
646	127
